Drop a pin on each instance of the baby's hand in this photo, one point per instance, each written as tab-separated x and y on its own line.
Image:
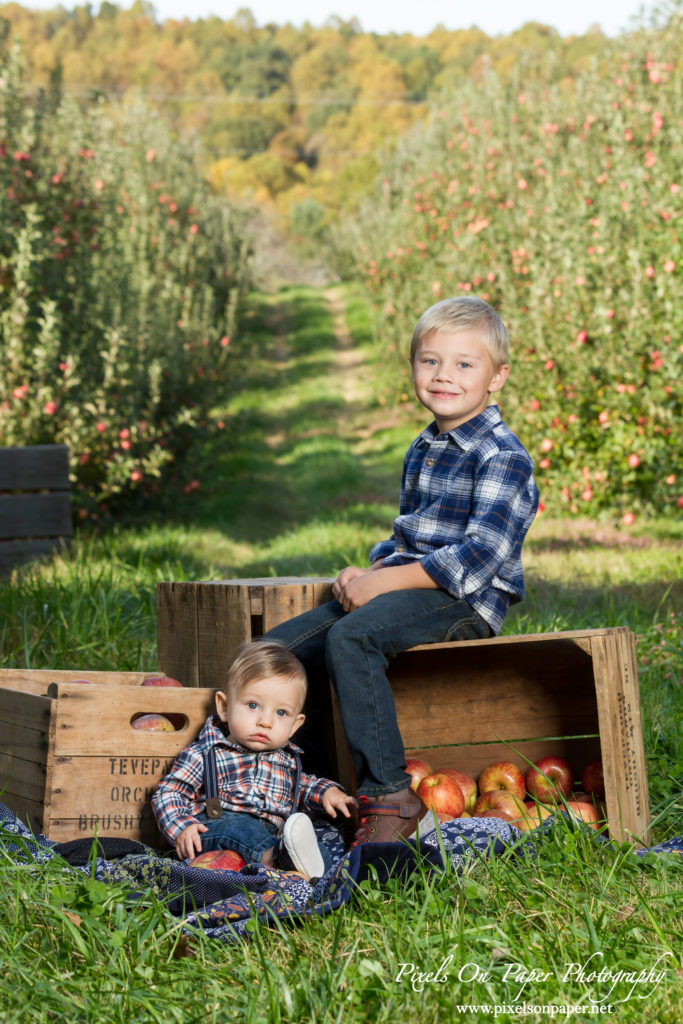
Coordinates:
335	799
188	843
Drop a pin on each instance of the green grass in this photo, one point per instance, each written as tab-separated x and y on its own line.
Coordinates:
302	479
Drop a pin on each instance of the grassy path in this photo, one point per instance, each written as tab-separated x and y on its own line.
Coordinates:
302	479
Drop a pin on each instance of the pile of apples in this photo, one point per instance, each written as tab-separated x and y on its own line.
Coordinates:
504	791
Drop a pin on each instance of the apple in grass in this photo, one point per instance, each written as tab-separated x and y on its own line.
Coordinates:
593	779
442	794
550	779
152	723
218	860
418	770
502	775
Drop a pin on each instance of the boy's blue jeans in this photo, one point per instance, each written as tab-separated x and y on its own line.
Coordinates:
354	649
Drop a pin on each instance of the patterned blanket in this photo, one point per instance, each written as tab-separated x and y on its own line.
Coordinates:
222	903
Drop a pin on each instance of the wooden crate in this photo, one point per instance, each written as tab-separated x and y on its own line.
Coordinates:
518	698
200	625
71	765
35	502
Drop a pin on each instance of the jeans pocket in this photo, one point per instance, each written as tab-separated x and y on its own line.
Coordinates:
469	627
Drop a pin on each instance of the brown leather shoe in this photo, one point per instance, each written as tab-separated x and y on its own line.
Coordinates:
389	818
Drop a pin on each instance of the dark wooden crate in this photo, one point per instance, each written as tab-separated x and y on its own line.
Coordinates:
201	625
35	502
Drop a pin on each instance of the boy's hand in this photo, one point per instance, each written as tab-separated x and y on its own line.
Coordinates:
188	843
355	587
344	578
334	799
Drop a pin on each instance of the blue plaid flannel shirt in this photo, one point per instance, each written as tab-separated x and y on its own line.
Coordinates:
468	498
253	782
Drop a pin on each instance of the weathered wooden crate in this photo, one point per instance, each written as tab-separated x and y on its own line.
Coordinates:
35	502
200	625
518	698
71	765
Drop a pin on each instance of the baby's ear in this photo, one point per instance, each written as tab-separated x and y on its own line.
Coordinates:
298	722
221	706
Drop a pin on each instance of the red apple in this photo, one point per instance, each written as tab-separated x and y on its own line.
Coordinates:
499	803
467	784
593	779
586	812
418	770
502	775
218	860
160	681
500	813
532	816
442	794
153	723
550	778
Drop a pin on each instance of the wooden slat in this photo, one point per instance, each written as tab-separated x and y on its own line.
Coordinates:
35	515
223	623
177	631
18	552
527	638
473	758
97	719
34	468
21	779
38	680
29	811
119	826
285	601
472	694
84	786
623	755
23	711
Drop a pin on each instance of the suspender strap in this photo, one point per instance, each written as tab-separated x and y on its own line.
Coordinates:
297	783
213	804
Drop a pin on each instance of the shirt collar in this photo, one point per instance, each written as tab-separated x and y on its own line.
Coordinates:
467	434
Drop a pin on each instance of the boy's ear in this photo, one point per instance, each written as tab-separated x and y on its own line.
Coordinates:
221	706
499	377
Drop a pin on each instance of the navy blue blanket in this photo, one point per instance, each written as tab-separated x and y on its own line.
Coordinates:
222	903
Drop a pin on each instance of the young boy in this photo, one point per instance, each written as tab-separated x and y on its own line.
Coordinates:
256	770
451	567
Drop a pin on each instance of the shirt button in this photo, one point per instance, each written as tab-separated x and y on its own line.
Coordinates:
400	549
430	462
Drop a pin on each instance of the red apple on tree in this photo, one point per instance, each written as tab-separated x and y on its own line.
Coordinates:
550	779
218	860
441	794
502	775
467	784
593	779
160	681
152	723
418	770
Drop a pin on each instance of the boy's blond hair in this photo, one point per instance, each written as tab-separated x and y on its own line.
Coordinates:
465	313
257	659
